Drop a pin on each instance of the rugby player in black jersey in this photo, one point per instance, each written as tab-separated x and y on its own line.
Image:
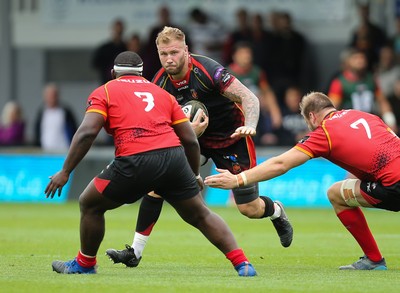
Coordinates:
233	115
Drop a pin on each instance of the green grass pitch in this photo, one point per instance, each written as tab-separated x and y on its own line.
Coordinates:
179	259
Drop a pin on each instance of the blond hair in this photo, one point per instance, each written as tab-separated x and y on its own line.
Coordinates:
11	112
169	34
314	102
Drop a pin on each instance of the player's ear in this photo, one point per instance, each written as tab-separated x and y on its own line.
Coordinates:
113	75
313	117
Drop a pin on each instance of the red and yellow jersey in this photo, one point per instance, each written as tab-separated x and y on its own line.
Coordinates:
358	142
138	114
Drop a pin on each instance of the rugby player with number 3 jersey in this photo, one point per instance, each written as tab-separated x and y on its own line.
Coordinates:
155	149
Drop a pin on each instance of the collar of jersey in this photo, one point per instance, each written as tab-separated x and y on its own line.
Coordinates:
179	83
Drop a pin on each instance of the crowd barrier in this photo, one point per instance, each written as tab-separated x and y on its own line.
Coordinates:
24	176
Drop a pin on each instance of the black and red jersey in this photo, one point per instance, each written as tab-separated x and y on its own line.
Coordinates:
206	81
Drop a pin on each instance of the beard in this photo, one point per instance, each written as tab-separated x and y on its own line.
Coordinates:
177	69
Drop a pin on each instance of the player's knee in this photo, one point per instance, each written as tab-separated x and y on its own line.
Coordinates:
343	193
331	193
250	210
84	205
198	219
192	211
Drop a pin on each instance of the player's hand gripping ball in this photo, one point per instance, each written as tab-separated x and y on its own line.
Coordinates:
191	110
191	107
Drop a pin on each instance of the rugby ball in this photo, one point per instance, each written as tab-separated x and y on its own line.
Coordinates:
191	107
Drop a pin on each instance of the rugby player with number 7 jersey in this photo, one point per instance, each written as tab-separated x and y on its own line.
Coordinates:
360	143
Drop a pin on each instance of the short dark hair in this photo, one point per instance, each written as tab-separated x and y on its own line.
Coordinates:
128	62
242	45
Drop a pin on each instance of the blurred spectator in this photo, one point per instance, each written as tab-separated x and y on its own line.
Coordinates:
134	44
242	32
342	65
263	44
104	55
55	124
396	41
207	35
150	54
289	55
12	127
293	125
356	88
368	37
394	100
255	79
387	71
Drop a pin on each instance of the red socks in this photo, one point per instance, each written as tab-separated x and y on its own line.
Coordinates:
356	224
86	261
236	256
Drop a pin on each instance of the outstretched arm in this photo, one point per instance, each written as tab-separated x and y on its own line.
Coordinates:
268	169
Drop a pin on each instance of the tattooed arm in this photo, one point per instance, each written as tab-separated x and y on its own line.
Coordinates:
238	93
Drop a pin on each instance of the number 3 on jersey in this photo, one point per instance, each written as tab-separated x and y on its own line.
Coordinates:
364	123
146	97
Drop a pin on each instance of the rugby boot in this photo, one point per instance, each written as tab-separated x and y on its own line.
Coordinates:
364	263
126	256
71	267
283	227
245	269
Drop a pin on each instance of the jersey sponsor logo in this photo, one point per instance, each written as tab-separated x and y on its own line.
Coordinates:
183	82
222	75
339	114
183	88
89	103
304	139
218	73
226	77
133	80
371	186
234	162
194	94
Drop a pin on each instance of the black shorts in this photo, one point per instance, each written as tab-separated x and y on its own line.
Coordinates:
235	158
165	171
382	197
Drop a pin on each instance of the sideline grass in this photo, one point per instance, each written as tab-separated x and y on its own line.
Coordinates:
179	259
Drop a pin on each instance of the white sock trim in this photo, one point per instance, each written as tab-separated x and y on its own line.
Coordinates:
139	243
277	212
